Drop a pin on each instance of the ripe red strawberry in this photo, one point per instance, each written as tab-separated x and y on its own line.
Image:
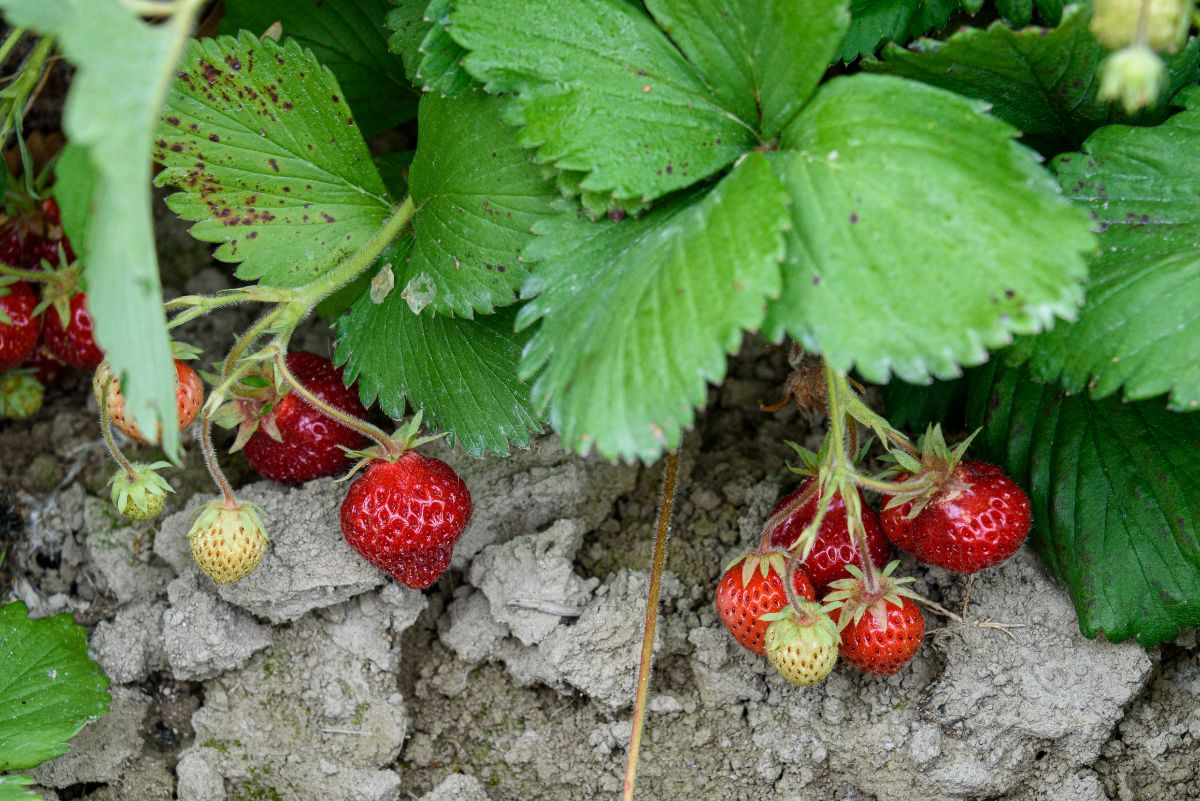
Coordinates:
834	548
309	445
977	518
872	645
46	365
18	326
404	516
189	395
32	234
752	587
73	342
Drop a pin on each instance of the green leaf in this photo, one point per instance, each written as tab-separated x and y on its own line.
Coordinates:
1044	82
913	408
74	190
408	26
114	100
912	251
462	373
268	160
1139	329
477	197
348	37
49	687
12	788
746	51
601	92
441	67
1115	491
637	316
876	22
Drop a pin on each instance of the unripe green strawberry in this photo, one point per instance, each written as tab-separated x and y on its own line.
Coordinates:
802	644
227	543
1115	23
20	395
142	495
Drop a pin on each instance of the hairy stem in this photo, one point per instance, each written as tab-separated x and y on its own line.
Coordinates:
26	275
777	519
106	430
666	506
204	434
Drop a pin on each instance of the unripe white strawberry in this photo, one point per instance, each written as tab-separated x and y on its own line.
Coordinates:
142	495
802	644
1134	76
1115	23
227	543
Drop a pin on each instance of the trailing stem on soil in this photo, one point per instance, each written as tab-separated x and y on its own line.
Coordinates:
663	533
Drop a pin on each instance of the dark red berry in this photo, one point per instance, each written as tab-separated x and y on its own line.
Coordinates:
310	445
18	336
405	516
73	343
834	548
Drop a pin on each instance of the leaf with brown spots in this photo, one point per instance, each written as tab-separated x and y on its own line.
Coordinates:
288	187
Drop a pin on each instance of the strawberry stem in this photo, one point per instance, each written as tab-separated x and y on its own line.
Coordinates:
332	412
845	477
106	430
792	565
26	275
204	430
666	505
777	519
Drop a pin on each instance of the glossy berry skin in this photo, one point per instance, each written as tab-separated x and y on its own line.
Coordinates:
189	395
895	521
74	343
33	236
873	649
978	520
833	548
310	447
741	605
19	337
405	516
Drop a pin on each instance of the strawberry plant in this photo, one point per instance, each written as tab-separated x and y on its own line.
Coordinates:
519	216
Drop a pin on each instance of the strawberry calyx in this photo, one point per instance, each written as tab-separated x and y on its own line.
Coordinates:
760	562
140	495
21	394
253	398
404	439
855	600
59	284
933	469
803	622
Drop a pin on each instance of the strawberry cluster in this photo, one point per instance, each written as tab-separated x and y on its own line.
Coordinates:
824	541
41	332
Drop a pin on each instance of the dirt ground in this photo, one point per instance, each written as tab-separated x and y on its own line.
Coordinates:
511	679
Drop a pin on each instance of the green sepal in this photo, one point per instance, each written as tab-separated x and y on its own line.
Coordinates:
21	394
143	495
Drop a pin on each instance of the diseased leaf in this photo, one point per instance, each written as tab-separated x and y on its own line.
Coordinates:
746	51
348	37
462	373
1042	81
601	93
268	160
637	316
1140	328
913	252
477	197
49	687
1115	490
874	23
111	109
